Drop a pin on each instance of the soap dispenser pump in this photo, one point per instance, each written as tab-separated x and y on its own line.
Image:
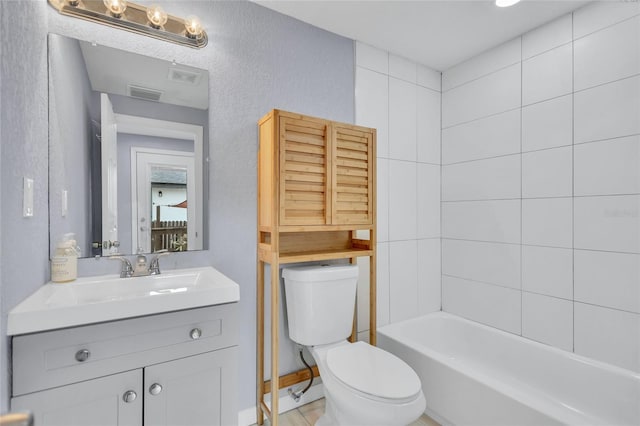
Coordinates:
64	263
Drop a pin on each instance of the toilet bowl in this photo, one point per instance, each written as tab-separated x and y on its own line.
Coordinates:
363	384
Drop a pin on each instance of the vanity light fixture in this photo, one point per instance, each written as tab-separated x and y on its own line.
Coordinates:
506	3
151	21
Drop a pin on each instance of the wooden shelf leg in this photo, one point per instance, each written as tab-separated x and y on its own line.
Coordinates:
373	306
275	341
260	343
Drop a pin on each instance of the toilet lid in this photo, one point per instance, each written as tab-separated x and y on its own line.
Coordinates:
373	371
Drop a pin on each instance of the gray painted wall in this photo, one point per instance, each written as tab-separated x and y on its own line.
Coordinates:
257	60
69	135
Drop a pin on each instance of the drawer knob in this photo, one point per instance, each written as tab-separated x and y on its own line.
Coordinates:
195	333
129	396
155	389
82	355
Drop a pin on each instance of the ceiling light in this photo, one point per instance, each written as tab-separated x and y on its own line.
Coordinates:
157	16
506	3
193	27
151	21
116	7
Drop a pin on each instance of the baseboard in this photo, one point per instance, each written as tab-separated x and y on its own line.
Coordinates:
248	417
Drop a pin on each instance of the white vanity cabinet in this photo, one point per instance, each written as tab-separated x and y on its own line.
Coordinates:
176	368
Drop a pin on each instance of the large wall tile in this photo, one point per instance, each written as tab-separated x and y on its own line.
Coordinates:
607	111
428	188
488	137
548	36
608	279
548	124
548	320
428	125
495	178
607	335
608	167
607	55
382	199
402	68
608	223
547	222
403	282
493	263
497	58
402	200
402	120
495	93
429	78
382	284
372	58
548	75
485	303
599	15
429	276
496	220
547	173
372	106
548	270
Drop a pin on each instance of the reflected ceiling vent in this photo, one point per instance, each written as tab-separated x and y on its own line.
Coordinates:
184	76
144	93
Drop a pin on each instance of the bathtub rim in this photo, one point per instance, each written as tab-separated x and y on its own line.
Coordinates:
535	398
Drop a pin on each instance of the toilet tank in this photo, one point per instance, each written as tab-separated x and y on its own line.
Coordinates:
320	302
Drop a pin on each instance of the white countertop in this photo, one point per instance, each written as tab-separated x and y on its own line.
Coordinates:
107	298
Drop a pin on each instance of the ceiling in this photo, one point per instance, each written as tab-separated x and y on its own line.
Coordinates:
173	83
438	33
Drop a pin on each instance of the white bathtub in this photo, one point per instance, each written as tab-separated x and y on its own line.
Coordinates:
476	375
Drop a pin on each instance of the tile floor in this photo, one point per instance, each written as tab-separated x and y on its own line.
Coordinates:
307	415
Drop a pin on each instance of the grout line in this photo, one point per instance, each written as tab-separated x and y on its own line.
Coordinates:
440	201
629	77
573	192
480	77
521	187
480	118
599	29
543	198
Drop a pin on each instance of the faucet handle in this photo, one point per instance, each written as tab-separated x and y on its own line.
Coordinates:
154	266
127	267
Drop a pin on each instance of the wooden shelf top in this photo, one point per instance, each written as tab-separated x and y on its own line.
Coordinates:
323	255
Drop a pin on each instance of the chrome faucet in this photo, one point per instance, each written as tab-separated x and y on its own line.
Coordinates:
141	269
154	266
127	268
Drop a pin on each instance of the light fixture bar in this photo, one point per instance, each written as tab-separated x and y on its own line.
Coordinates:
133	19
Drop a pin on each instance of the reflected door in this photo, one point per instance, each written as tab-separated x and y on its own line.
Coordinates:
154	168
109	162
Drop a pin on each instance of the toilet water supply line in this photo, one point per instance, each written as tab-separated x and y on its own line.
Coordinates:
296	395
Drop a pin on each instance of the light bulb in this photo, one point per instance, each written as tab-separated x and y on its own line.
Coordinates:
193	26
116	7
506	3
157	16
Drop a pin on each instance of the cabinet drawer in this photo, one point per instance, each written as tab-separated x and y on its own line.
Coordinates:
59	357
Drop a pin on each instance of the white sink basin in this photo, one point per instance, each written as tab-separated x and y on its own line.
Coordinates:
107	298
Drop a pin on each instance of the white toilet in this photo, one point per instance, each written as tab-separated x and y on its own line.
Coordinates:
363	385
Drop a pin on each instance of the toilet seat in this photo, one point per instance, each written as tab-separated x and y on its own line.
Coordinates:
373	372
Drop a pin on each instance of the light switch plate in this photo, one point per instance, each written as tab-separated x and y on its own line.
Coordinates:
27	197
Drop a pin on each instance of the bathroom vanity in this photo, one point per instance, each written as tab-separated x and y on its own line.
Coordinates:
174	366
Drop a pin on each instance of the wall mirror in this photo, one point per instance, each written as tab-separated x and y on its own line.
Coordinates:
128	149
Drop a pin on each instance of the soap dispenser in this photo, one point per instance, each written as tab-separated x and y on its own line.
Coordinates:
64	263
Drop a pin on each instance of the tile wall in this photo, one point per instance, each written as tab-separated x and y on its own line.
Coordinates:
401	99
541	186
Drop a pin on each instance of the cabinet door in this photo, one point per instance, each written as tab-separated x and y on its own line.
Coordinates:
97	402
304	172
194	391
353	175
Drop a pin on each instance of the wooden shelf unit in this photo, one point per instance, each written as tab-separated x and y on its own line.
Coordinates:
316	194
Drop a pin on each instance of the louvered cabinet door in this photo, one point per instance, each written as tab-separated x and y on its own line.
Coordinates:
304	176
353	172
